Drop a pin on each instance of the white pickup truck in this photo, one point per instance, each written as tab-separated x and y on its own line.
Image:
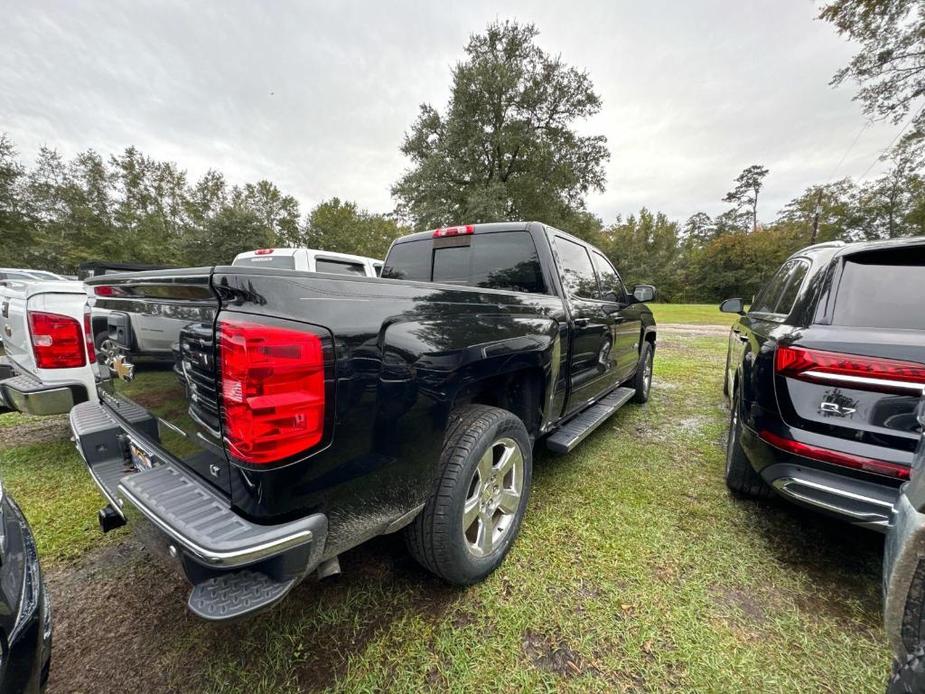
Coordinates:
47	364
311	260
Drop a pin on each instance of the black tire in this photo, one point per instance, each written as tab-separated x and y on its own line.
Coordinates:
908	677
437	538
642	381
741	477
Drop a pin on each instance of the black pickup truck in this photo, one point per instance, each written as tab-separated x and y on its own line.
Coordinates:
308	412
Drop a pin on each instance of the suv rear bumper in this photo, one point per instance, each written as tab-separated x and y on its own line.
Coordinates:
237	567
27	394
864	499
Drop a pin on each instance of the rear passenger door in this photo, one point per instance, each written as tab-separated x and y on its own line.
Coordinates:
592	366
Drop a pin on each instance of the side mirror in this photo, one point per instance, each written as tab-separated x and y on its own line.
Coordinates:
643	293
733	306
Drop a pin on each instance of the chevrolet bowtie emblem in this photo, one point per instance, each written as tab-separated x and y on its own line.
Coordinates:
122	368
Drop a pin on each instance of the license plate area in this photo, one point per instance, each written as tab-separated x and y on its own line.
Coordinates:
142	458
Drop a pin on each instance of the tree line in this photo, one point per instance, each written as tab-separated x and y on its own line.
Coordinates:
505	147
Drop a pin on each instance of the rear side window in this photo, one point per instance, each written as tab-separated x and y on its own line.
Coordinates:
339	267
779	295
883	289
282	261
501	260
577	272
792	287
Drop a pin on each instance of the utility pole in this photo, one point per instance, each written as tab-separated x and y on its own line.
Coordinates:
816	211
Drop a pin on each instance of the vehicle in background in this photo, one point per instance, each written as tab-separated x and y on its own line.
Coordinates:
46	367
904	579
823	374
310	412
25	610
311	260
96	268
23	275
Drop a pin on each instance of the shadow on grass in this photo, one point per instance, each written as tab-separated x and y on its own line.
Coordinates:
841	562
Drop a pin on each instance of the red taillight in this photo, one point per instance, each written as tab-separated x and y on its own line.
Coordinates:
263	251
272	380
827	455
88	334
850	370
57	341
453	231
108	290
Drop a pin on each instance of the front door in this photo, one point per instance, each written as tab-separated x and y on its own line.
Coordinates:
626	317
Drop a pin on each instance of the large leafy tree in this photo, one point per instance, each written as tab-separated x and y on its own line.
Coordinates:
889	68
336	225
744	196
505	147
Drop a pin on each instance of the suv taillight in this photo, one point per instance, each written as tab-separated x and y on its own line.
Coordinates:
88	334
850	370
57	341
272	385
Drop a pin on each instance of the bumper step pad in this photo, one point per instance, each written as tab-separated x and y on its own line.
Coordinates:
577	429
27	394
236	594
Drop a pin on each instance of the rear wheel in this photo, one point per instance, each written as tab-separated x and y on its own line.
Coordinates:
741	477
474	514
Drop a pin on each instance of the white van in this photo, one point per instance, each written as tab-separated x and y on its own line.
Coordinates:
311	260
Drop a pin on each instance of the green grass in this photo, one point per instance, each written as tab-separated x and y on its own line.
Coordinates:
50	483
635	570
694	314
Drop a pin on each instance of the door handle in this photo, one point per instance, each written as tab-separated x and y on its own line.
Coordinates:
582	322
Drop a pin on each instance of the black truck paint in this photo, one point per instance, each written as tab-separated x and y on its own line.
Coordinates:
399	356
860	302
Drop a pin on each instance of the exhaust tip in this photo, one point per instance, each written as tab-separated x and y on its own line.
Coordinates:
110	519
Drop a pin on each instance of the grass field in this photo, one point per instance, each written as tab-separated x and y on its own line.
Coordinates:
635	571
691	314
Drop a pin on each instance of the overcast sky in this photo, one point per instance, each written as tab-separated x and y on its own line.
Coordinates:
316	96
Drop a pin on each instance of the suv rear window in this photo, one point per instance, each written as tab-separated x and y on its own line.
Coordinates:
283	261
882	289
339	267
499	260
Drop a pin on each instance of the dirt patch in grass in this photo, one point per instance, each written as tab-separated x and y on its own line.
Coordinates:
550	653
742	600
22	430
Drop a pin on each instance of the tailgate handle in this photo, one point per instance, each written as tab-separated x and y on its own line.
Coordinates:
582	322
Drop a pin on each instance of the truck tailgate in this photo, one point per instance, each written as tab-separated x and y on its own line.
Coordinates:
179	394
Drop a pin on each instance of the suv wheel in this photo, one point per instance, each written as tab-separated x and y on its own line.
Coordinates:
474	514
741	477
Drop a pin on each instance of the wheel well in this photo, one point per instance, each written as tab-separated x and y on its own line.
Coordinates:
519	392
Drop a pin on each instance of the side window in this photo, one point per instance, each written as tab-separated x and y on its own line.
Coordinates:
577	271
610	280
766	301
792	288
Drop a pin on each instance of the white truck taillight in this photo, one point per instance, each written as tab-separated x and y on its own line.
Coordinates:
57	341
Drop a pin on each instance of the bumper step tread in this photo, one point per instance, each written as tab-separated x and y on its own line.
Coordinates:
236	594
573	432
